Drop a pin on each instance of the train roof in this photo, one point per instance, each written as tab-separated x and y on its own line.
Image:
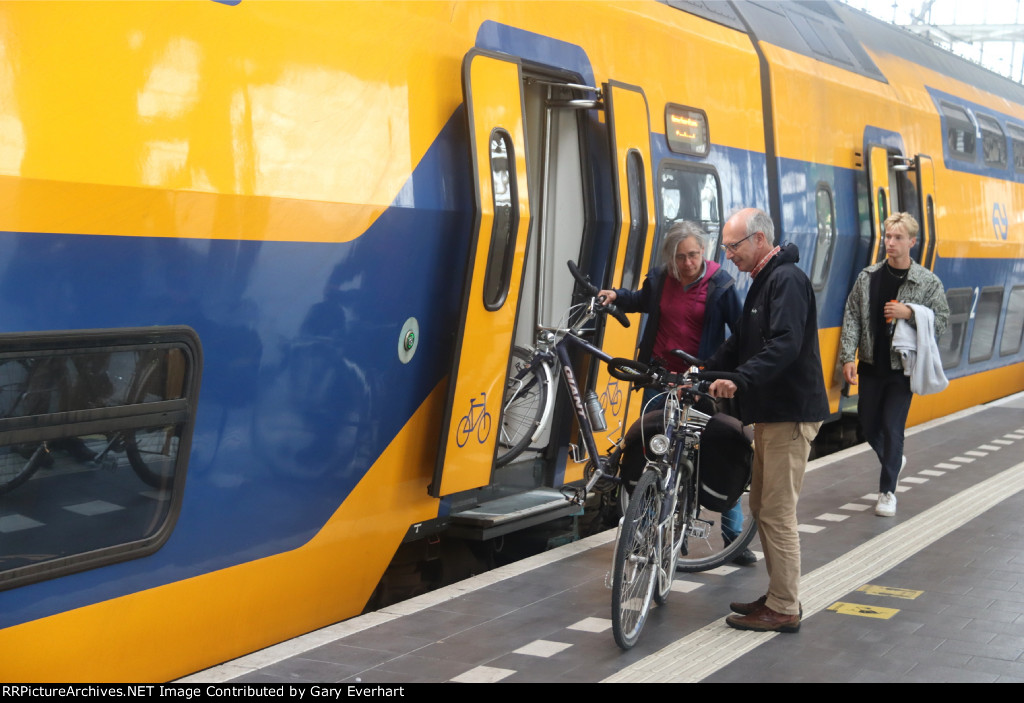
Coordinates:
838	34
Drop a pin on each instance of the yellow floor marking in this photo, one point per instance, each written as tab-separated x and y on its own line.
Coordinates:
866	611
889	591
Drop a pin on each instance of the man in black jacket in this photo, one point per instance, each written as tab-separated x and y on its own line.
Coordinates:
782	391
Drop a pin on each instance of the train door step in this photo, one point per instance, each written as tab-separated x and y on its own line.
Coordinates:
511	513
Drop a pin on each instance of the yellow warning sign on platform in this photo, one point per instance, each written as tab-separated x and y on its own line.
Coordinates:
891	592
867	611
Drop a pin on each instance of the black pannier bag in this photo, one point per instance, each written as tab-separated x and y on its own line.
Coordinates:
726	457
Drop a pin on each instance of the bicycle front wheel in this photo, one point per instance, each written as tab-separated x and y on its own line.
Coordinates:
526	395
713	539
635	568
18	463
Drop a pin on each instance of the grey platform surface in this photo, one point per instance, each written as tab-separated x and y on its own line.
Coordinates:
944	598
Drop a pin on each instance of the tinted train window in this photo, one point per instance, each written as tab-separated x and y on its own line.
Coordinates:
993	141
1017	143
826	237
986	319
694	195
1013	330
94	433
638	219
960	134
951	344
506	221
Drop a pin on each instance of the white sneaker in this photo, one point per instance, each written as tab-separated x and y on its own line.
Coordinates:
886	505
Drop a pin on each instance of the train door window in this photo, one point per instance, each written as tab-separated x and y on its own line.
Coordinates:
94	434
951	344
506	220
638	219
960	133
1013	329
825	209
694	195
1017	144
993	141
986	320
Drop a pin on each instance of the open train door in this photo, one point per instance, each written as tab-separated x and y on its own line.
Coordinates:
629	131
879	199
927	238
492	87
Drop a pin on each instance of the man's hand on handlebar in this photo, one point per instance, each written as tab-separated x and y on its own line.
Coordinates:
607	296
722	389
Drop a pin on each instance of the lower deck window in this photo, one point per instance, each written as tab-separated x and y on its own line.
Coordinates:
94	433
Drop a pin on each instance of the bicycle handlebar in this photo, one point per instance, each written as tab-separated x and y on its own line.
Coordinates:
591	290
643	374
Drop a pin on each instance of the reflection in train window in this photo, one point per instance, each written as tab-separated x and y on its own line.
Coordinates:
638	218
694	195
1013	330
960	134
986	319
826	237
94	430
1017	143
506	221
993	141
951	343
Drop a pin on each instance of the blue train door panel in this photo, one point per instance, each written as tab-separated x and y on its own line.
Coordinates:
492	86
629	131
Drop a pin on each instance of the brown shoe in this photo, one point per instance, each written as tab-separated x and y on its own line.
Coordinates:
748	608
765	620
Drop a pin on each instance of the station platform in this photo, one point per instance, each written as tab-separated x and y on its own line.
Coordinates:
935	594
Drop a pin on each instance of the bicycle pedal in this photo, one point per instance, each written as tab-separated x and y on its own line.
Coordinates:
573	494
700	529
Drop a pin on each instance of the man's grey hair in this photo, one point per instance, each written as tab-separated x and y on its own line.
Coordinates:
677	233
759	221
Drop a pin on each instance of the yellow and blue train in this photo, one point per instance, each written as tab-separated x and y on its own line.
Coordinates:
264	263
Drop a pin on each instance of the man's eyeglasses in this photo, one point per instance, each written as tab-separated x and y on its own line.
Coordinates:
736	245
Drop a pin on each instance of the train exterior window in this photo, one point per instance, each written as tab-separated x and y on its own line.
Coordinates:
951	344
1017	143
986	320
1013	329
638	219
693	194
993	142
506	221
960	133
686	129
826	237
94	435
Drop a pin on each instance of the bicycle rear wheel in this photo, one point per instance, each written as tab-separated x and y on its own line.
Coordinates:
526	395
706	547
635	568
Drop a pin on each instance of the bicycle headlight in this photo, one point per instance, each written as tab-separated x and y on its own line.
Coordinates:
658	444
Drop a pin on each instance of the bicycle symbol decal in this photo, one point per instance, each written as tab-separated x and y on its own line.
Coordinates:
476	419
612	396
1000	222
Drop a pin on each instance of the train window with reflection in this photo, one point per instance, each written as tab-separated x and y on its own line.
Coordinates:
826	236
960	134
993	141
1013	329
951	343
986	320
693	194
1017	144
638	218
505	226
94	433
